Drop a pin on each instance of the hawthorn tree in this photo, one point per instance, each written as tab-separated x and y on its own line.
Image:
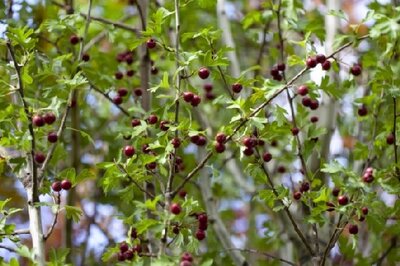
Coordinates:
216	132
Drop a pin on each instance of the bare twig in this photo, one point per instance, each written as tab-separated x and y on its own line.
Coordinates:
53	224
8	248
264	254
17	232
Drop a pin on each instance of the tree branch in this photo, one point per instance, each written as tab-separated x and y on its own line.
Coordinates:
265	254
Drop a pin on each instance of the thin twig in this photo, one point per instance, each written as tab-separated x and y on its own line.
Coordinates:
392	246
8	248
17	232
264	254
53	224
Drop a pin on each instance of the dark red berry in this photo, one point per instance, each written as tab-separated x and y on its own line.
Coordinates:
390	139
220	138
274	71
154	70
297	195
237	87
117	100
49	118
335	191
281	169
39	157
196	100
203	73
362	110
151	166
66	184
219	147
343	200
364	210
314	119
175	230
152	119
302	90
129	151
85	57
175	208
248	151
52	137
56	186
304	187
306	101
202	141
278	77
249	142
130	73
118	75
208	87
74	39
176	142
38	121
353	229
194	139
326	65
295	131
123	247
146	149
188	96
311	62
314	104
361	219
135	122
182	194
267	157
137	248
128	254
320	58
202	218
187	257
164	125
138	92
134	233
122	92
355	70
367	178
151	43
331	206
281	66
203	226
210	96
200	235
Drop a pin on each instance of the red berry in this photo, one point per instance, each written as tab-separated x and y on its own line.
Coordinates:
74	39
196	100
151	166
202	218
369	170
130	73
295	131
49	118
297	195
85	57
390	139
135	122
56	186
123	247
304	187
248	151
202	141
281	169
210	96
52	137
188	96
274	71
137	249
154	70
343	200
182	194
335	191
281	66
128	254
176	142
194	139
353	229
134	233
164	125
38	121
306	101
220	138
66	184
314	104
311	62
208	87
175	208
138	92
151	43
219	147
355	69
331	206
200	235
361	219
185	263
249	142
122	92
314	119
362	110
175	230
146	149
129	151
203	226
237	87
203	73
39	157
326	65
118	75
117	100
152	119
302	90
267	157
364	210
320	58
187	257
278	77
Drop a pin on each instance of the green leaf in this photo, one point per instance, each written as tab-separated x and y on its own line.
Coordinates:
73	213
332	168
323	196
